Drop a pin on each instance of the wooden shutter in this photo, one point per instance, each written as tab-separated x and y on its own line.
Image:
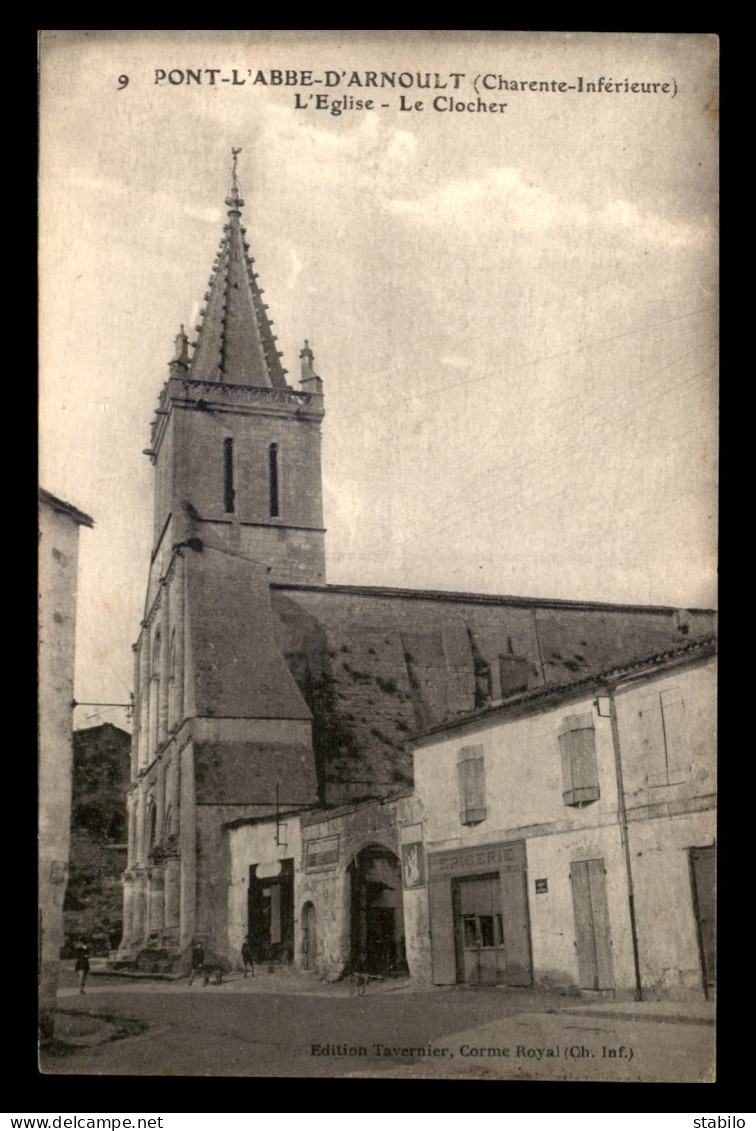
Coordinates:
577	743
443	956
675	738
514	899
602	934
703	867
652	738
472	785
663	734
592	934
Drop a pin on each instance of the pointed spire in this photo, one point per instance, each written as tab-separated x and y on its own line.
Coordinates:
236	343
181	357
234	198
309	380
307	357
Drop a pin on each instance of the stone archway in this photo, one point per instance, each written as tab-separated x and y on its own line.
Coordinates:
377	912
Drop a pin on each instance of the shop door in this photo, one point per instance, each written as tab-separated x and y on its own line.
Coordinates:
703	864
481	958
592	936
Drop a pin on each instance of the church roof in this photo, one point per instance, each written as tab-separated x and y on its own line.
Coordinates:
553	694
379	665
236	344
238	671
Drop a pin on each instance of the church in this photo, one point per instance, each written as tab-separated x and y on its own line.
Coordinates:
271	786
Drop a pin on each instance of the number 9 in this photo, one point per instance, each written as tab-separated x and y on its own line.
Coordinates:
123	81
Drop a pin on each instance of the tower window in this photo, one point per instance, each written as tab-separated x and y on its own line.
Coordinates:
273	479
228	476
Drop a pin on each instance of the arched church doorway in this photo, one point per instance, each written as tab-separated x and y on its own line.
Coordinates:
377	913
309	937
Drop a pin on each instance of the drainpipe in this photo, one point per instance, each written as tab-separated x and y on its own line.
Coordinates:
622	812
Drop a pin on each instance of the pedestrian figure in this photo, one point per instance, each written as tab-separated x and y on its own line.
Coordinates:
198	962
246	953
82	968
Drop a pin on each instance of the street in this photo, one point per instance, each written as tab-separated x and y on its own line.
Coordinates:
251	1028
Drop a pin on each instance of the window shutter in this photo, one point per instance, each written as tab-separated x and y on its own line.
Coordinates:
592	933
662	718
673	714
472	785
652	737
579	769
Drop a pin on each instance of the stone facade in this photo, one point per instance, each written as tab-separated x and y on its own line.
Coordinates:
348	910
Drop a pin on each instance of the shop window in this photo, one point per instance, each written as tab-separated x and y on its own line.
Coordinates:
472	785
486	930
577	742
663	731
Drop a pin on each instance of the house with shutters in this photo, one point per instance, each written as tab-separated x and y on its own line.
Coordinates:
270	771
566	837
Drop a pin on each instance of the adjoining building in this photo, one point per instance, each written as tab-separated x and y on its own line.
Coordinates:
269	705
59	525
569	835
94	899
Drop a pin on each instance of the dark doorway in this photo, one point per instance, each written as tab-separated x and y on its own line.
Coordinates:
703	870
271	914
309	937
377	918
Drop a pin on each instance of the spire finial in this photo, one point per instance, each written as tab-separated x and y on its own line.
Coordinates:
309	380
181	356
234	198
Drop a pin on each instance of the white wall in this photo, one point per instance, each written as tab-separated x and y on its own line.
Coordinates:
523	771
524	800
58	564
256	844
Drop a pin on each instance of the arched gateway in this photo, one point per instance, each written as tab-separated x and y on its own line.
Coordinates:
377	916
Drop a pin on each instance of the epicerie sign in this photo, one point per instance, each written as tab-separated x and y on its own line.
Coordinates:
508	857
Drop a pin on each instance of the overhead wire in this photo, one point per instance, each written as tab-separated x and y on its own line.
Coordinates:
611	429
526	364
557	455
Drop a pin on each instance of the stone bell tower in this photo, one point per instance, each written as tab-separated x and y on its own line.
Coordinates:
220	727
236	448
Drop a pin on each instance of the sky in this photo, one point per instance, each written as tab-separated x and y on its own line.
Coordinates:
514	311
